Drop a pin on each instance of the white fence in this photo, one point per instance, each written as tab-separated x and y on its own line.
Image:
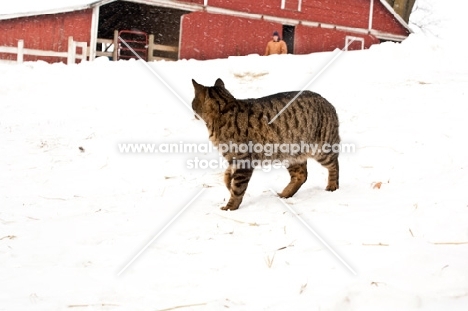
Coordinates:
71	55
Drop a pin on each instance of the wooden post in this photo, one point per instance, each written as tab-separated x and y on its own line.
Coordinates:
399	7
71	51
409	9
115	53
150	47
371	15
94	33
84	50
402	7
20	53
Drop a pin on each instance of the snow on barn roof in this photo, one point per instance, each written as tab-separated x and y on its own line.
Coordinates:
22	8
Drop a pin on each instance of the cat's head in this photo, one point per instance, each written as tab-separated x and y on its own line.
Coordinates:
206	103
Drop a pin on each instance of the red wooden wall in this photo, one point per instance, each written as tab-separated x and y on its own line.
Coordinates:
350	13
46	32
315	39
209	36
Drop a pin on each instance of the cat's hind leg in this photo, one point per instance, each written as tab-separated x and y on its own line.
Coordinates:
298	174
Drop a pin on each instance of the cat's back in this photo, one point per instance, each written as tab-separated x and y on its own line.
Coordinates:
299	101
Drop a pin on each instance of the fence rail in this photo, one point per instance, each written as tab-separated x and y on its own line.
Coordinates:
81	51
106	43
152	47
71	55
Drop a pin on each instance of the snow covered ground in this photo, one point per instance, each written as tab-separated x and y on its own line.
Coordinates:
74	210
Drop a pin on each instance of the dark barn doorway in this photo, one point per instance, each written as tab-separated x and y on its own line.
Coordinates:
288	37
163	23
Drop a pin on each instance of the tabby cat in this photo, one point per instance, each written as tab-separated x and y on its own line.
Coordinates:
309	119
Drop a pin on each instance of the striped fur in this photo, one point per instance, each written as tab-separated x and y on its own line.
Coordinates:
309	119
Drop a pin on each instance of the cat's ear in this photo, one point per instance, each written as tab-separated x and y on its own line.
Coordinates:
219	82
198	87
200	94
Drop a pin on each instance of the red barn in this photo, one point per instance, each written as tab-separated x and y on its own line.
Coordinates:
199	29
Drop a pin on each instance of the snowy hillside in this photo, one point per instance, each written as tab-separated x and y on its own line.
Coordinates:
75	211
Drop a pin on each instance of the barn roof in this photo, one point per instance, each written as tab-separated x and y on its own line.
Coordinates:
23	8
